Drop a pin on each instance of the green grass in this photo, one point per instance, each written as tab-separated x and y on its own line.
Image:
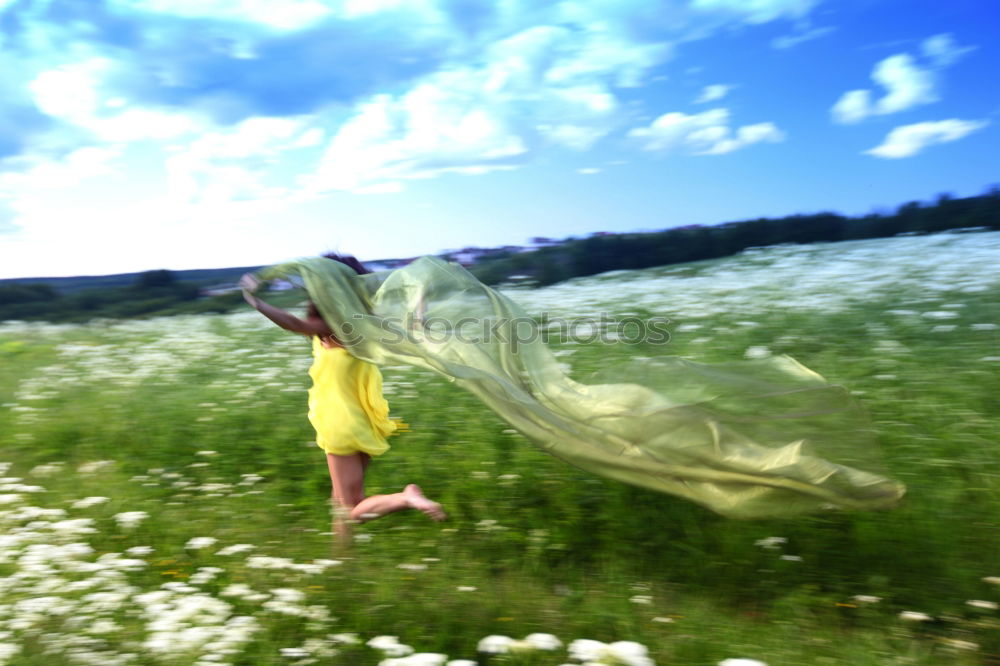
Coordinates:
547	548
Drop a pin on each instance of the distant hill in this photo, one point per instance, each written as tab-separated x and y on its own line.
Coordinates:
202	277
70	285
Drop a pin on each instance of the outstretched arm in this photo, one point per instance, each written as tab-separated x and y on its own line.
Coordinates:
311	326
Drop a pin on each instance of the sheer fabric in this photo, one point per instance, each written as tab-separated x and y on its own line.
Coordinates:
747	440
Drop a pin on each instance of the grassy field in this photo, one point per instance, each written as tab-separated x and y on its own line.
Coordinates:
162	500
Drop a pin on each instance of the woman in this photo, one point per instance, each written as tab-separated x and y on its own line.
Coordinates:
348	411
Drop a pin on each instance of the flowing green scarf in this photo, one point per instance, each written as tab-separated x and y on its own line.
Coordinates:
742	439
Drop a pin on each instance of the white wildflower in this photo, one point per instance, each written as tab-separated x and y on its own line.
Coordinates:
770	543
495	644
242	591
866	599
15	487
345	639
235	549
88	502
130	519
629	653
103	626
325	564
94	466
390	646
294	653
489	525
985	605
204	575
264	562
197	543
48	469
288	595
417	659
584	649
411	567
757	351
543	641
73	526
741	662
914	616
520	647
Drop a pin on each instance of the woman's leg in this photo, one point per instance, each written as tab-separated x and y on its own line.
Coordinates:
348	476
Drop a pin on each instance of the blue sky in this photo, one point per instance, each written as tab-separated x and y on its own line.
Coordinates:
140	134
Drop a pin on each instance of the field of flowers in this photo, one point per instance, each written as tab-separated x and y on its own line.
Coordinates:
162	501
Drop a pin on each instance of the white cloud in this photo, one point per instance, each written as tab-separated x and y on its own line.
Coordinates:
437	127
758	11
906	82
545	85
601	51
70	170
943	51
70	92
906	85
909	140
789	41
238	163
713	92
706	133
77	94
278	14
853	106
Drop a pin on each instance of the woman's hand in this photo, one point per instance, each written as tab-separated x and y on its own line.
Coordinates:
249	284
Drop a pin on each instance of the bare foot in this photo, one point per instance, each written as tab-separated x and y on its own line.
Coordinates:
415	500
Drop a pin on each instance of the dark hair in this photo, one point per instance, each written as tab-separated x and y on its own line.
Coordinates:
347	260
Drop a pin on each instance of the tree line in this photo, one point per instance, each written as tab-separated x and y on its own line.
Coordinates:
598	253
156	292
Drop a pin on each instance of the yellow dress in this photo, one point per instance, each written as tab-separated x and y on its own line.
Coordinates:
346	406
